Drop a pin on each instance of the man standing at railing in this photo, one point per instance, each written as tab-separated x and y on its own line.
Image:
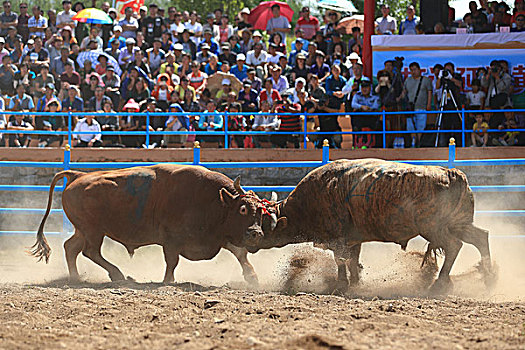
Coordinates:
19	140
289	123
419	91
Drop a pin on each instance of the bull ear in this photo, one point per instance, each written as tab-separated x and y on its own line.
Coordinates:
273	198
226	197
281	223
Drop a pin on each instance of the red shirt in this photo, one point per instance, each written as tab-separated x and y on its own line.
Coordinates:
309	26
274	96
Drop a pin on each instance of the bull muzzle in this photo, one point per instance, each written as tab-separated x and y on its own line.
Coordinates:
253	235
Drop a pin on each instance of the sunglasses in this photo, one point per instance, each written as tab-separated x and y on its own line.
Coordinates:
23	7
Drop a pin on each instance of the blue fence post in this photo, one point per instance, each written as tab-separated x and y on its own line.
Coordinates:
66	225
147	129
196	152
69	123
463	126
305	130
384	127
451	153
226	137
326	151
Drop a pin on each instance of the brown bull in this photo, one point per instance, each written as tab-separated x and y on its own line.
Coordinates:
188	210
348	202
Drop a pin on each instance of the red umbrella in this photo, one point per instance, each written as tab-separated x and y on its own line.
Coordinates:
260	15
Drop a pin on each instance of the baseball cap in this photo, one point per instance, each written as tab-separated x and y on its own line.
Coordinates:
241	57
178	46
50	86
2	40
205	47
117	28
301	56
130	41
226	82
257	33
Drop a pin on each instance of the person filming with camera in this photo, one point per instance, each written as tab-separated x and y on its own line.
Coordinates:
499	86
452	83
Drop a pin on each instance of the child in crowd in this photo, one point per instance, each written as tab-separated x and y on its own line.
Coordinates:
475	98
479	135
509	138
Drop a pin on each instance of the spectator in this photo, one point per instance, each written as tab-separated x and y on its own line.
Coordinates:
237	122
246	42
499	85
225	30
386	24
70	75
278	24
73	102
501	17
19	140
22	26
294	53
269	93
290	122
418	89
307	23
332	21
21	101
38	56
452	80
7	18
256	81
37	24
520	24
334	88
93	36
211	121
408	25
356	38
280	83
188	46
50	123
319	68
479	136
365	101
152	24
507	138
176	123
96	103
243	19
263	121
479	19
129	24
88	124
213	47
240	70
58	65
64	18
248	97
7	76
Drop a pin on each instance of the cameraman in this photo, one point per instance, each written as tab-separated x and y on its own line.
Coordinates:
499	87
452	81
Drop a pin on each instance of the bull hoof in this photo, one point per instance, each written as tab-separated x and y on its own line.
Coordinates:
252	280
341	287
441	286
116	277
74	279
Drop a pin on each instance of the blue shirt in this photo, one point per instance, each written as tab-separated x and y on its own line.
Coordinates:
408	27
215	118
240	74
332	85
77	105
371	101
293	55
209	71
214	47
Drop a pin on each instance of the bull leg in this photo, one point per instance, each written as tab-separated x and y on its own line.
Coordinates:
480	239
342	277
354	267
172	260
451	246
248	271
91	249
73	246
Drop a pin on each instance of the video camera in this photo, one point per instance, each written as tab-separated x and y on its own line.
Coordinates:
445	74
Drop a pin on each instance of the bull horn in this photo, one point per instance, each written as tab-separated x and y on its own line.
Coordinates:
273	224
237	186
273	198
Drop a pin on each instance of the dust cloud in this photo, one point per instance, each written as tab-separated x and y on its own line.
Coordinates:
387	271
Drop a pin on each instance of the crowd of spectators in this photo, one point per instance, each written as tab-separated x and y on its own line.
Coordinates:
211	69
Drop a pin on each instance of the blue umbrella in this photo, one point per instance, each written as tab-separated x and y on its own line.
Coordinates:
93	57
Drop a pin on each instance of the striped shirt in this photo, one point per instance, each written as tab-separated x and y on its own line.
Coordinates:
309	26
40	22
289	122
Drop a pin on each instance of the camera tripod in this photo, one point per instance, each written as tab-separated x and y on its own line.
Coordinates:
442	103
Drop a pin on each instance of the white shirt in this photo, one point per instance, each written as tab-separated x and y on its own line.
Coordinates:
274	59
385	24
252	60
83	126
197	27
65	17
132	22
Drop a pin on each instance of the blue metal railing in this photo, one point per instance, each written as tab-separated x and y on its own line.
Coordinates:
226	133
67	164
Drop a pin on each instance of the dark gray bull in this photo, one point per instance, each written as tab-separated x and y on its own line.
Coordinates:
348	202
188	210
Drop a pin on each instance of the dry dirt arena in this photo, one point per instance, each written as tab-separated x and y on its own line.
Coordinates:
212	308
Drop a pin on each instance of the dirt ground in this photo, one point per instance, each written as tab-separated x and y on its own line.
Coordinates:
212	308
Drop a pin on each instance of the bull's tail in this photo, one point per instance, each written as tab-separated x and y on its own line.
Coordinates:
41	248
